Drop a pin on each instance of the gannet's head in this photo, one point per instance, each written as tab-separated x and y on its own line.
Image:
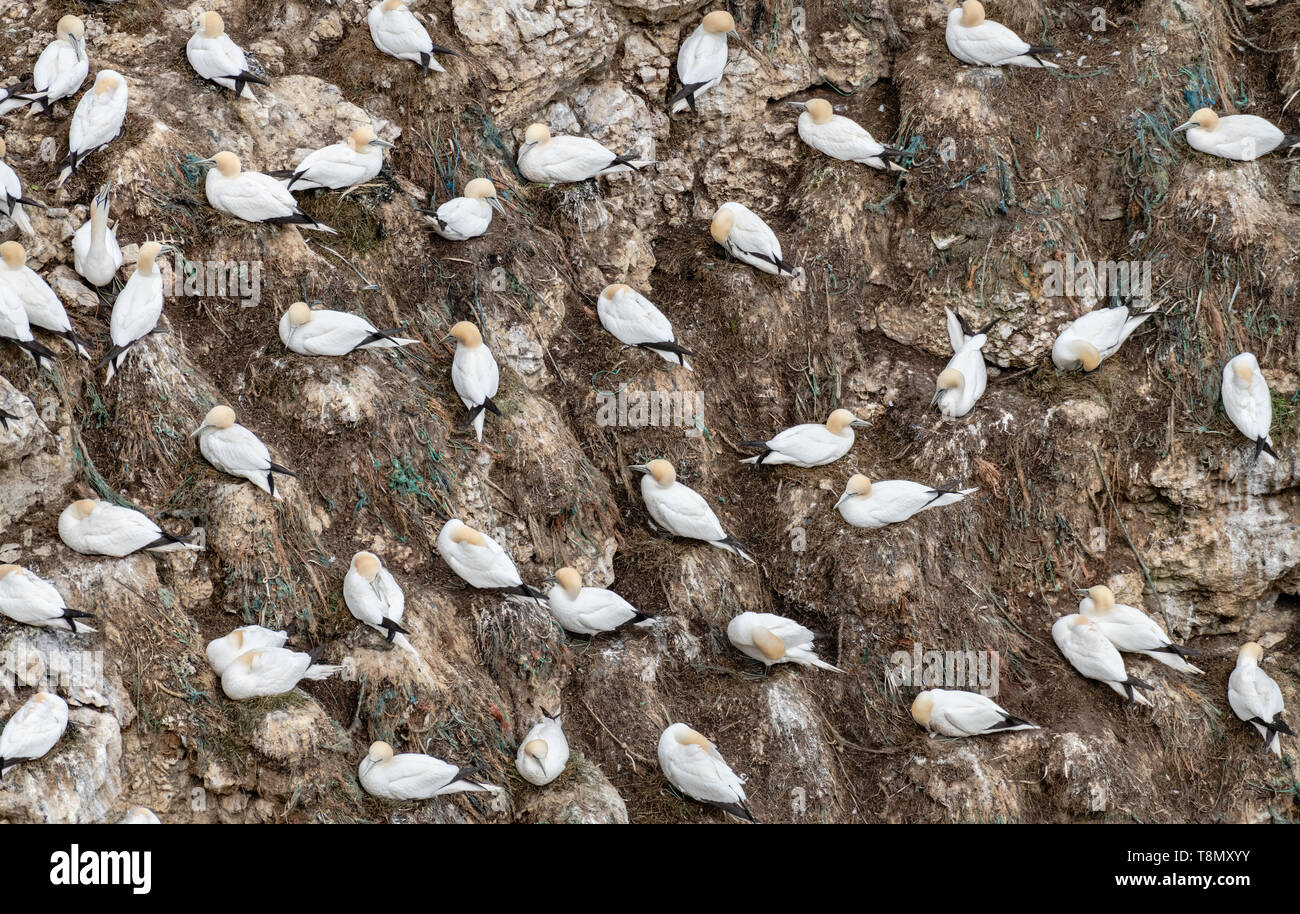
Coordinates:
13	255
685	736
210	24
617	288
1205	118
723	222
1089	356
237	636
467	534
536	135
299	313
83	508
1103	601
972	13
1244	367
219	417
718	22
107	81
841	419
248	658
858	485
70	28
149	252
6	570
225	162
363	137
820	109
390	5
1250	651
380	751
922	708
772	647
366	564
467	335
949	379
480	189
3	149
661	471
536	749
570	580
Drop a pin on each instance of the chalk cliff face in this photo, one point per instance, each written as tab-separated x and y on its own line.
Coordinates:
1131	476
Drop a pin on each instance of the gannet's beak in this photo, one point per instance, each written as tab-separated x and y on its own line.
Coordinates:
382	143
448	339
859	423
495	203
198	431
639	467
1082	593
550	579
1185	126
76	48
843	498
211	163
802	106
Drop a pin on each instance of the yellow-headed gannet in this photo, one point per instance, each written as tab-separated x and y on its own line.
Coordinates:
747	238
544	752
840	138
322	332
28	599
235	450
769	639
1095	337
223	651
588	610
892	501
98	528
374	597
413	776
1256	698
695	768
1131	630
59	71
963	380
354	161
44	308
952	712
15	327
1242	137
550	159
139	815
633	319
474	374
271	671
11	196
681	510
218	59
96	122
981	42
466	217
1247	401
1091	653
701	59
395	31
480	561
252	196
96	254
34	730
809	445
137	308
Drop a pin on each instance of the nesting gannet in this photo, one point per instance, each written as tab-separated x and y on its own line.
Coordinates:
218	59
480	561
374	597
468	216
322	332
1242	137
963	380
28	599
235	450
15	327
356	160
474	374
96	122
271	671
252	196
544	752
747	238
59	71
96	254
1092	654
956	713
1247	401
139	815
701	59
223	651
841	138
633	319
137	308
34	730
892	501
413	776
771	639
810	444
11	196
681	510
1256	698
396	32
1095	337
44	308
694	767
981	42
550	159
588	610
99	528
1131	630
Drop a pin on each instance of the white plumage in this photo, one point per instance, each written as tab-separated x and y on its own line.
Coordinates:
702	59
234	450
11	196
252	196
31	600
587	610
747	238
479	560
543	752
1092	654
395	31
891	501
223	651
694	766
956	713
474	374
34	730
412	776
354	161
1096	336
99	528
550	159
681	510
1131	630
1256	698
217	58
59	72
139	815
634	320
842	138
1240	137
373	596
981	42
964	379
323	332
270	671
468	216
137	308
96	254
1248	403
96	122
811	444
42	305
771	639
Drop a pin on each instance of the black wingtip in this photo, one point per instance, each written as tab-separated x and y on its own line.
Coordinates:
1262	446
5	417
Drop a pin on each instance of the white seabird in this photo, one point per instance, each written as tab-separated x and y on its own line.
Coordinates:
374	597
1091	653
1095	337
252	196
480	561
694	767
550	159
96	122
34	730
413	776
139	815
271	671
681	510
31	600
892	501
58	74
396	32
1256	698
634	320
1131	630
772	639
468	216
474	374
44	308
588	610
15	327
981	42
98	528
322	332
96	254
701	60
354	161
952	712
1247	401
841	138
223	651
747	238
217	58
543	752
137	308
236	451
11	196
809	445
1240	137
963	381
